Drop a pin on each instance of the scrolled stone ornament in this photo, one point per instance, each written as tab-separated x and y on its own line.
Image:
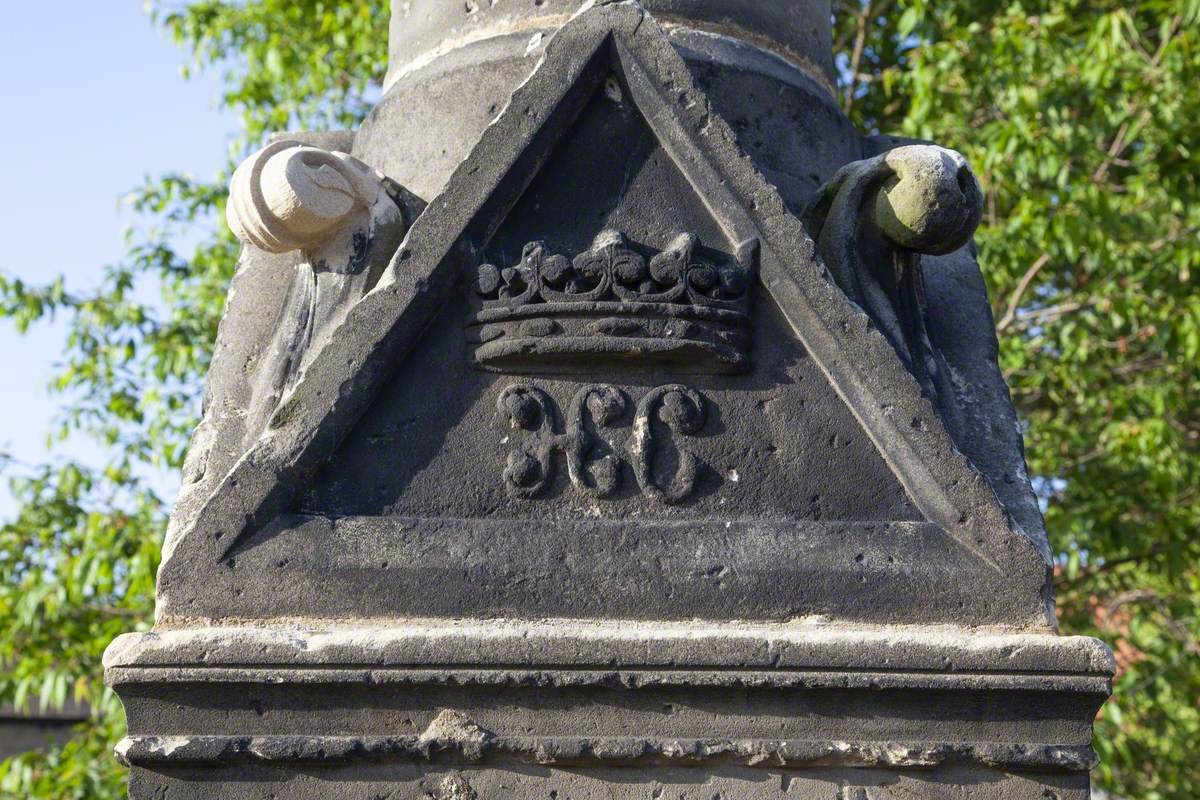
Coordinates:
932	203
591	465
342	216
289	196
872	223
529	468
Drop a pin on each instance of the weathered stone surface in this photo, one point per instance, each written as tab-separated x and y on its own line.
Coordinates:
666	455
717	191
667	783
794	31
500	699
500	643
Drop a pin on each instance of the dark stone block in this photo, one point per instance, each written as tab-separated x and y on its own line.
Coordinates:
22	731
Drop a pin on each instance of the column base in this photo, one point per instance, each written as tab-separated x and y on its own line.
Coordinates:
569	709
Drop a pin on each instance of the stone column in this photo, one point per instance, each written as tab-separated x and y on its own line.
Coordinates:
607	418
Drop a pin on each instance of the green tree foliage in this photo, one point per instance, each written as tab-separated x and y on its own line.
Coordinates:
1082	119
77	563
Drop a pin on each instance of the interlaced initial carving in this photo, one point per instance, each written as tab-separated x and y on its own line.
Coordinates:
530	467
593	464
682	410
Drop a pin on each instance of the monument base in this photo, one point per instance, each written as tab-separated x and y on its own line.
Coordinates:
519	781
608	709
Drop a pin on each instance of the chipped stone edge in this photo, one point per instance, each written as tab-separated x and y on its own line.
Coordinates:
612	644
159	751
539	29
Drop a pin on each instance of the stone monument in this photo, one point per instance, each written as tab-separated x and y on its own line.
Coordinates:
607	418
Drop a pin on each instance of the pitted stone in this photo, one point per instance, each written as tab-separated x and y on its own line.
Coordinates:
424	30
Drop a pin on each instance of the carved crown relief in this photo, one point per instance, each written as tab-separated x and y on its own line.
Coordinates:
615	302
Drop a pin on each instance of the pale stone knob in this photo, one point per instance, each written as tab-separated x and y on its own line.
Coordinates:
933	204
290	196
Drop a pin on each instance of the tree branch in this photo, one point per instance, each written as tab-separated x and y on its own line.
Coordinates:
1014	302
1174	626
1093	570
869	12
1136	109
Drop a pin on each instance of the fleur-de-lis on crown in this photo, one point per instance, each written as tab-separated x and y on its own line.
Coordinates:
611	269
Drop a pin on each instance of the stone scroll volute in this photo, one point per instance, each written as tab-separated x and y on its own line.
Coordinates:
873	222
344	220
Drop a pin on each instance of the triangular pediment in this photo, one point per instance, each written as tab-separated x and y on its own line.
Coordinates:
486	215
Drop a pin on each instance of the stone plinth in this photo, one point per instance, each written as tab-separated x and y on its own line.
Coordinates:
616	709
607	418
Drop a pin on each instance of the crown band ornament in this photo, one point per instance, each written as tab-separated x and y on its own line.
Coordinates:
613	303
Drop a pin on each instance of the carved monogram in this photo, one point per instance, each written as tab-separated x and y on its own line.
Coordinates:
682	410
593	464
530	467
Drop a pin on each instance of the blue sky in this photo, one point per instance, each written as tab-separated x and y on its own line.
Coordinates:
92	100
